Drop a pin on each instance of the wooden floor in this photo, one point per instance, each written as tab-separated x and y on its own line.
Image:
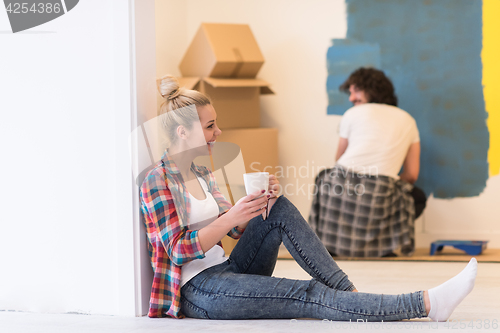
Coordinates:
479	312
448	254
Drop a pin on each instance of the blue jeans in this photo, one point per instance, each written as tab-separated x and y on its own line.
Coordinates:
242	287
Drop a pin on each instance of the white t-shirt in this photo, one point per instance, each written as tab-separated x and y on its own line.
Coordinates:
202	213
379	136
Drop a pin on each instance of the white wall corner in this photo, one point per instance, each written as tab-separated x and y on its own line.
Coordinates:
144	108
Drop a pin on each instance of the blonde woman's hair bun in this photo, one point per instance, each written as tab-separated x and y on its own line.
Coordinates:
176	97
169	87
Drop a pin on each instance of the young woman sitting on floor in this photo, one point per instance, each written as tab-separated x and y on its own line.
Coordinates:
187	216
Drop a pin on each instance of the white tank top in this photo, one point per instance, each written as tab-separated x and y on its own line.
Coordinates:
202	213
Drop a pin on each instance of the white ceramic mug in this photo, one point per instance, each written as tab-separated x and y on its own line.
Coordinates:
256	181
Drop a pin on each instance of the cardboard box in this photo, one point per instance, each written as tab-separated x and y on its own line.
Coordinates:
236	101
222	50
228	244
259	147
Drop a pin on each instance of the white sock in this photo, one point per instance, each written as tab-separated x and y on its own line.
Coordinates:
446	297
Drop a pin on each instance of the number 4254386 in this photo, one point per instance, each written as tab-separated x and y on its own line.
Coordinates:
23	8
475	324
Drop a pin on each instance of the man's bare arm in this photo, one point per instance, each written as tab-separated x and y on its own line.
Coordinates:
411	165
343	143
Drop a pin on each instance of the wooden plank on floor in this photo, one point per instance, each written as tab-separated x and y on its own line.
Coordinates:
448	254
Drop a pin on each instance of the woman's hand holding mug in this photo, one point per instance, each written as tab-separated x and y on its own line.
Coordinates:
247	208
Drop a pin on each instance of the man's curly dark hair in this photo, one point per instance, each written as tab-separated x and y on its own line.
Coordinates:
376	86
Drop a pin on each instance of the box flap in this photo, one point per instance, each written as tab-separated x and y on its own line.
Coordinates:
199	58
266	90
188	82
239	83
222	50
233	42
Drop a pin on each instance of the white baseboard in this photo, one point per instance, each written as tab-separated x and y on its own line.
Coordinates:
424	237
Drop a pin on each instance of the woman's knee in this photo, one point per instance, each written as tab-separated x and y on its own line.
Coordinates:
284	213
282	204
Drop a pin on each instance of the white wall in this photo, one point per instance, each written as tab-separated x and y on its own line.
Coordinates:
67	93
143	109
475	218
294	36
171	37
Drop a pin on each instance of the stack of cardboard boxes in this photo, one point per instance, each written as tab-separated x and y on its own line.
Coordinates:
222	62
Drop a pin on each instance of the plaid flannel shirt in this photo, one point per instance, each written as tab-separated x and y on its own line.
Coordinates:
362	216
165	206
